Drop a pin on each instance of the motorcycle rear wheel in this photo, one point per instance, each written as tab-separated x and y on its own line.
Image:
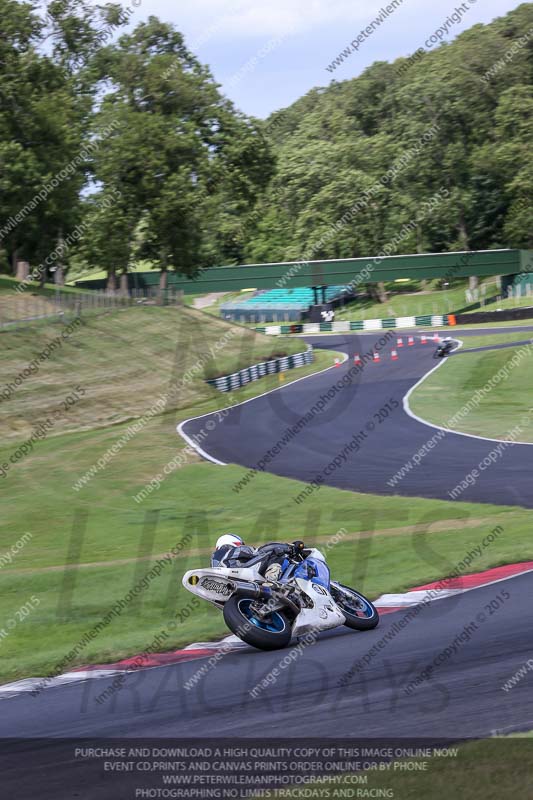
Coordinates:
272	633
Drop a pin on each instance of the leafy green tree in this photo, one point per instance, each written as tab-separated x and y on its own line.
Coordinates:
358	162
185	162
45	104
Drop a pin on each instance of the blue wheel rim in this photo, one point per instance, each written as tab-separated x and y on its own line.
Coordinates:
276	623
364	608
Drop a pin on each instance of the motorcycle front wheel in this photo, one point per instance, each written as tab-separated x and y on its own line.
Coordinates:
360	613
266	633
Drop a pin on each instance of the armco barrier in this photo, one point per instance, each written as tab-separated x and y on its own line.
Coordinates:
425	320
234	381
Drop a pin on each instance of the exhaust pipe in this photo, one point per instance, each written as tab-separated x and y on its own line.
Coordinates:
253	590
258	592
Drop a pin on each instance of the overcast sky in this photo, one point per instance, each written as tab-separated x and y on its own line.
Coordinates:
293	41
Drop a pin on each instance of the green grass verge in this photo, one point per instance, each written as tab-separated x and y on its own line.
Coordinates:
490	769
9	285
507	304
510	323
438	301
123	361
390	544
88	547
454	386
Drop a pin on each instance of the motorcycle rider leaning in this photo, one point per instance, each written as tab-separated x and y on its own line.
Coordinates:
231	551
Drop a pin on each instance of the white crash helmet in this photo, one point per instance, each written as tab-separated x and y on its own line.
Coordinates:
229	538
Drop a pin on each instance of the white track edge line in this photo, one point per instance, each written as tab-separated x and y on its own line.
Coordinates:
214	460
85	675
456	592
411	413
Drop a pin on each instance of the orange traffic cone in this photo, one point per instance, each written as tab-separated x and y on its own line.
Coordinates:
357	359
337	362
410	341
423	339
376	359
436	337
399	343
394	355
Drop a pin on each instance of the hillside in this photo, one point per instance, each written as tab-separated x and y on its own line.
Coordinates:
123	361
441	140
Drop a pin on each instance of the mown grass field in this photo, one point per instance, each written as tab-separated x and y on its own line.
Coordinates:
8	286
491	769
452	386
33	302
438	301
123	361
90	546
507	304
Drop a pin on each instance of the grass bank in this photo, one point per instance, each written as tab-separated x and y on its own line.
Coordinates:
505	374
122	361
437	301
87	544
490	769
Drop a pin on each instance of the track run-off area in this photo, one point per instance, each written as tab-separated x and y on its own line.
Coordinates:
352	427
439	674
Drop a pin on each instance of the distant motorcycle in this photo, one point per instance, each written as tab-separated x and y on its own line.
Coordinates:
444	349
267	614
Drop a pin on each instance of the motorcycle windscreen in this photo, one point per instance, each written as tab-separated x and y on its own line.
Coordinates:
314	570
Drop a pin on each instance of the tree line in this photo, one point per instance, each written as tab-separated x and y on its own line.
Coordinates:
117	147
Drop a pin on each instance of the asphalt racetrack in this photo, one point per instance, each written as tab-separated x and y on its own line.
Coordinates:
368	411
318	694
347	684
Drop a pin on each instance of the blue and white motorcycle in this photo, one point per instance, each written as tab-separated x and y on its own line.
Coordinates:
267	614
